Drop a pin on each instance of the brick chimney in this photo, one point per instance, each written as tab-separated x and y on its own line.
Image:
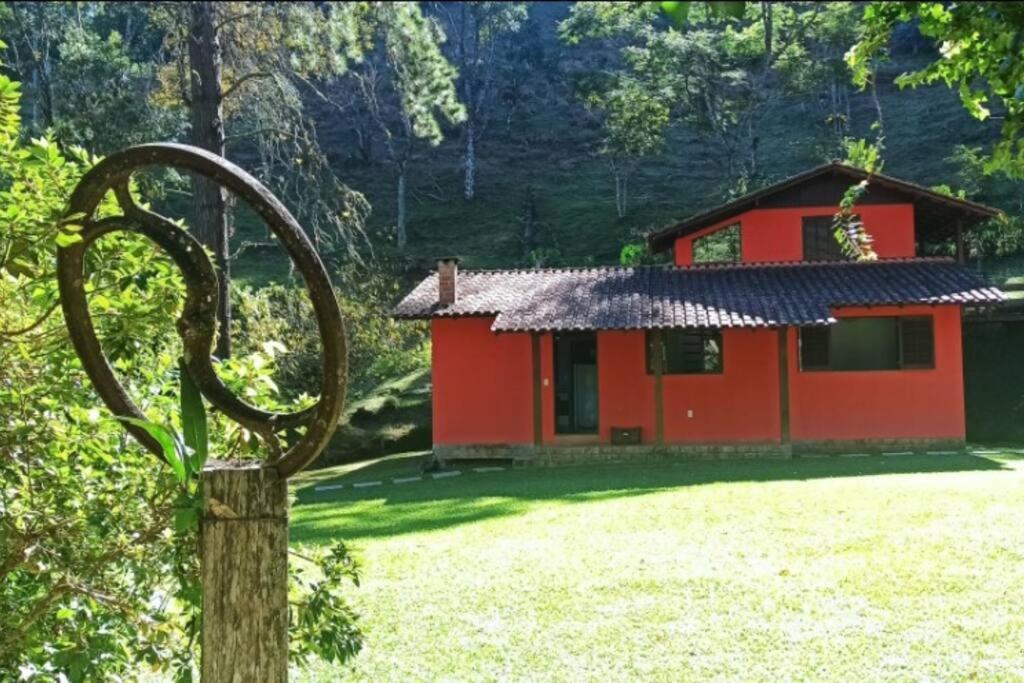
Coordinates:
447	280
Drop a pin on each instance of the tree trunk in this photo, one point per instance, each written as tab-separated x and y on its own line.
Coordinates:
211	214
244	573
530	220
618	193
878	103
754	140
620	190
400	227
470	161
625	195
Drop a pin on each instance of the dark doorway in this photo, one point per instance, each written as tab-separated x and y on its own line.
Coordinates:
576	383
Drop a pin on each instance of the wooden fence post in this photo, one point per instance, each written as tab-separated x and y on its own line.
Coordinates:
244	567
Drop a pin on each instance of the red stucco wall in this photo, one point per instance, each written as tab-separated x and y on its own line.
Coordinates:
625	390
777	234
890	404
483	383
483	389
741	404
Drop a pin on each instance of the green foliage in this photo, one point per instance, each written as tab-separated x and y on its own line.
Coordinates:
721	246
863	154
981	58
424	80
98	555
85	73
84	513
193	420
970	164
711	73
633	254
379	346
322	624
1001	236
634	119
849	229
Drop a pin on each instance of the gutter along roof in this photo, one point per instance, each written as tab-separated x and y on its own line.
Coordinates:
751	295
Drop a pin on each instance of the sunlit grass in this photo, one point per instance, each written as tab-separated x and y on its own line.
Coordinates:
838	569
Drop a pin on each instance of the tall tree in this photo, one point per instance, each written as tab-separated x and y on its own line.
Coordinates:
244	70
205	100
407	87
85	66
830	37
719	74
477	31
633	124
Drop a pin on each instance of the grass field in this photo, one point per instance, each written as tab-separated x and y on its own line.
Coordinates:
876	568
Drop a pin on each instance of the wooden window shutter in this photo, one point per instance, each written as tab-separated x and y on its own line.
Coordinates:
820	240
917	342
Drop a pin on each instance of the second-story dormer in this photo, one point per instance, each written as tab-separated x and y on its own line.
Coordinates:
792	220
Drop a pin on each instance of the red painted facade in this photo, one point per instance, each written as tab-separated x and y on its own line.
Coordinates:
890	404
483	389
777	234
484	382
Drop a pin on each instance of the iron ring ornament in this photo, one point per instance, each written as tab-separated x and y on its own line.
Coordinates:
197	324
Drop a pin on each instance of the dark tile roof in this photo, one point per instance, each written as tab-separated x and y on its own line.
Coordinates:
757	295
662	239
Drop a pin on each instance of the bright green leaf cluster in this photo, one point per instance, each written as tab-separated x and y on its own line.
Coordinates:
981	57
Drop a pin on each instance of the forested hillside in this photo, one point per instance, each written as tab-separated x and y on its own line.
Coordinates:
540	160
544	191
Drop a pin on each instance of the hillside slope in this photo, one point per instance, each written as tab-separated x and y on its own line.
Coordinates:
547	151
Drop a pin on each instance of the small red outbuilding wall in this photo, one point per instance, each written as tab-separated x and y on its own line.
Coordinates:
890	404
483	383
777	234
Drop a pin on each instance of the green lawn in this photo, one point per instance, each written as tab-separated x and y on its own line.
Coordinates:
875	568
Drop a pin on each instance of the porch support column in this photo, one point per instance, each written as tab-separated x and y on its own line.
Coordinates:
960	255
659	401
784	384
538	410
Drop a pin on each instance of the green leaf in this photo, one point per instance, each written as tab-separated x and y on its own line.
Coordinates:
66	239
169	444
186	518
193	421
676	11
729	9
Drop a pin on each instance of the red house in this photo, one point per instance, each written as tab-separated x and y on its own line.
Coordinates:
792	347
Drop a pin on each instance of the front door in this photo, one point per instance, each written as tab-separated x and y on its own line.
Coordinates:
576	383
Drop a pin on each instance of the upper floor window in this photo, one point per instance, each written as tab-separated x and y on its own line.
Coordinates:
720	246
687	352
820	240
883	343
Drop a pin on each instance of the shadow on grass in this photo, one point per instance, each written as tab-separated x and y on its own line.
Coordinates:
395	509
